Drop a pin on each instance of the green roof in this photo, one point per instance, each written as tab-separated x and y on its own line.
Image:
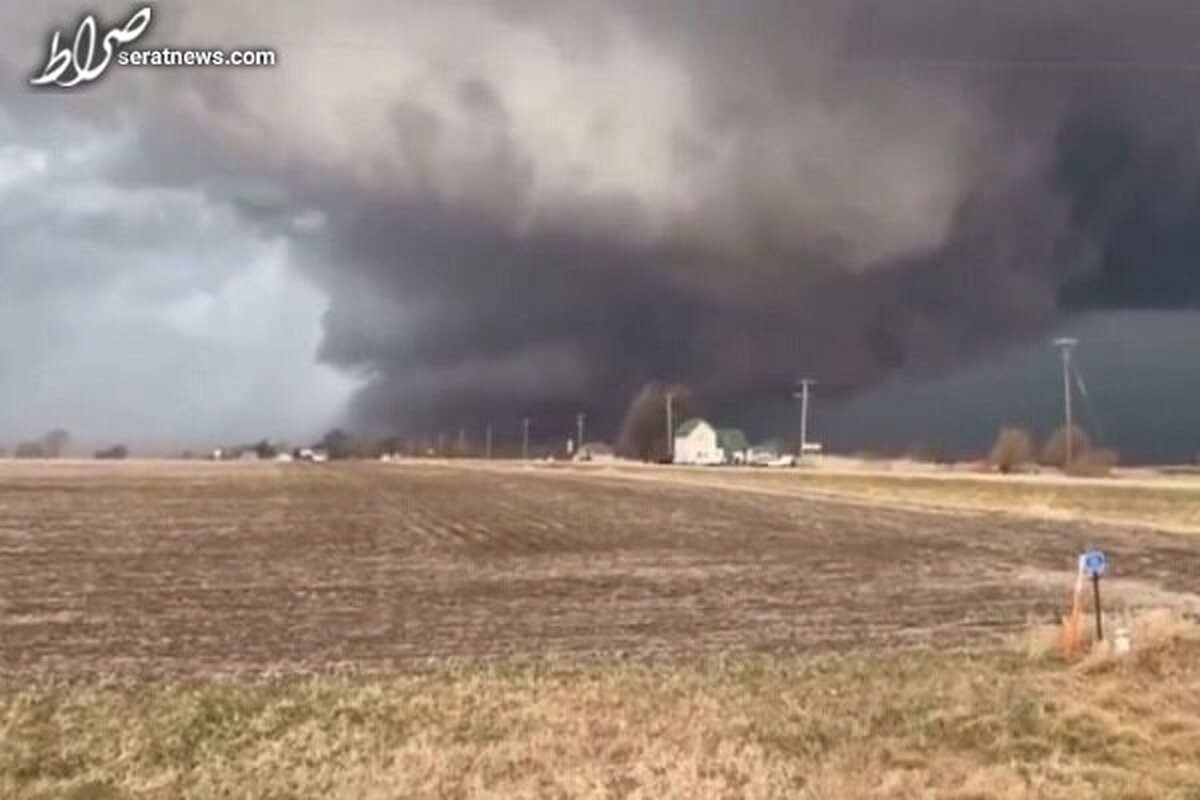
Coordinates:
732	439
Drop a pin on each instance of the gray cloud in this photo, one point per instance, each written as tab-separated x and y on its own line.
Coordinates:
527	207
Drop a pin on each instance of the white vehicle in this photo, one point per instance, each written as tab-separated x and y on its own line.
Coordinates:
786	460
760	458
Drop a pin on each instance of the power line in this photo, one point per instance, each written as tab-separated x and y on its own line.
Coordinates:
1033	65
840	62
1088	406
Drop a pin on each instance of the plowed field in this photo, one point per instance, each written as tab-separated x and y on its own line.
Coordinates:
197	568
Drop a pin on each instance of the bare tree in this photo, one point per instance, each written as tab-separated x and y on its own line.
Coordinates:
55	442
30	450
1097	462
1054	453
1012	450
339	444
644	428
264	449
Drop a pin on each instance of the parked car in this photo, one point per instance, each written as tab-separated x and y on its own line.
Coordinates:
760	458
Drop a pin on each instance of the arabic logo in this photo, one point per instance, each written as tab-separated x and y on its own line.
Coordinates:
90	55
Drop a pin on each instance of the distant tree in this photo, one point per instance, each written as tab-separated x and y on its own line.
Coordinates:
338	444
1054	453
30	450
115	453
264	449
922	453
392	445
1012	451
644	429
1097	462
54	443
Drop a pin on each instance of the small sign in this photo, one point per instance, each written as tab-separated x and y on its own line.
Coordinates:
1093	563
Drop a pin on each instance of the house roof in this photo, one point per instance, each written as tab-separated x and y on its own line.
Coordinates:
687	426
727	438
732	439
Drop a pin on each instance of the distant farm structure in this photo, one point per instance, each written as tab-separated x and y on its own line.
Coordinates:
698	442
596	451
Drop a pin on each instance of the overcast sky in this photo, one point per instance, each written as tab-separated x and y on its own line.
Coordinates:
429	215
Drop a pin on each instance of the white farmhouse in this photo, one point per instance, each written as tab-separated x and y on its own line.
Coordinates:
698	442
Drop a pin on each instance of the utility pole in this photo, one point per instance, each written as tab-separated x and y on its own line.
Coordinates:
1066	346
488	441
525	441
802	396
579	419
670	426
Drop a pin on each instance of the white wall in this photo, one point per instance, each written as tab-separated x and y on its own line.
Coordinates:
699	446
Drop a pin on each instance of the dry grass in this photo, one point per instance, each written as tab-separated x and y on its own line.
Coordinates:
1168	507
520	613
1148	630
915	725
1171	504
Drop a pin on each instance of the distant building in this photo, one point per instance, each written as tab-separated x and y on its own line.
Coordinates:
596	451
314	455
698	442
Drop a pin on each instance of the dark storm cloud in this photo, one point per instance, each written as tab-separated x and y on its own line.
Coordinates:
534	206
841	218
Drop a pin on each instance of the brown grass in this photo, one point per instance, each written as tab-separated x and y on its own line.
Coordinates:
913	725
1170	505
489	617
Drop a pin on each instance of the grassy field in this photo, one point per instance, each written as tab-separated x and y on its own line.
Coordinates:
266	630
993	724
1164	502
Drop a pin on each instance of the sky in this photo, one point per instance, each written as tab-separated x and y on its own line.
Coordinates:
429	216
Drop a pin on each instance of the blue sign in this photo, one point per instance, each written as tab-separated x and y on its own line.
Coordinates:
1093	563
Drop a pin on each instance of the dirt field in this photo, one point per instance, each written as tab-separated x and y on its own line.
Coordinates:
197	568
